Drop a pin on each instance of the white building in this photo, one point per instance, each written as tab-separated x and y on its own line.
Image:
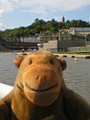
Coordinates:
29	39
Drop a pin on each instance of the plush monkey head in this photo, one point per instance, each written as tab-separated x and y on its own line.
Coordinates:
40	77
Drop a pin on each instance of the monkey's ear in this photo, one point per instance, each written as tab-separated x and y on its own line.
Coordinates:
63	63
18	60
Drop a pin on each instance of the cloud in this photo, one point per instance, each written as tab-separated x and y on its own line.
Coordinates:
54	5
41	6
7	6
1	12
35	11
2	27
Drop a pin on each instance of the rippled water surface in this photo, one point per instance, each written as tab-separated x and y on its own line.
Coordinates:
76	76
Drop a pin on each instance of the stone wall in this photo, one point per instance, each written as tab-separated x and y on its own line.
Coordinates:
79	49
50	46
54	45
63	45
88	42
3	49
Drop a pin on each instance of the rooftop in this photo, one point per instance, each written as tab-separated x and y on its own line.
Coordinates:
81	29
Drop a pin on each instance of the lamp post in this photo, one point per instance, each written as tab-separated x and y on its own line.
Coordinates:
85	39
59	34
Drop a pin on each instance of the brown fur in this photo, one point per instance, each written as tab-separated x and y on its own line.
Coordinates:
40	92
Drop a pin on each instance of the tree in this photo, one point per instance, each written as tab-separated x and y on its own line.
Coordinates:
11	34
7	32
52	29
2	33
67	24
73	23
60	25
27	32
79	23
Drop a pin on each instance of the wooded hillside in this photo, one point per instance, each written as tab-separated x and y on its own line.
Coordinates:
41	25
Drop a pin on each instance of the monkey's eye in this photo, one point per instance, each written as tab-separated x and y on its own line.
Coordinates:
30	62
51	62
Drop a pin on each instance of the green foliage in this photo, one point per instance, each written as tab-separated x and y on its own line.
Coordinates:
41	25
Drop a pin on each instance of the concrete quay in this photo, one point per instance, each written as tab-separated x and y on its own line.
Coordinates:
60	55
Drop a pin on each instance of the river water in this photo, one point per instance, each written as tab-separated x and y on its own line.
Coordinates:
76	75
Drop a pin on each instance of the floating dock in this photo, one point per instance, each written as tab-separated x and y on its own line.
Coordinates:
73	56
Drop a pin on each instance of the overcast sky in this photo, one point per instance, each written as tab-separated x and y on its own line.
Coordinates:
17	13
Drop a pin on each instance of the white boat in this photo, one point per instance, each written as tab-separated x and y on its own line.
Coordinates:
4	89
20	54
